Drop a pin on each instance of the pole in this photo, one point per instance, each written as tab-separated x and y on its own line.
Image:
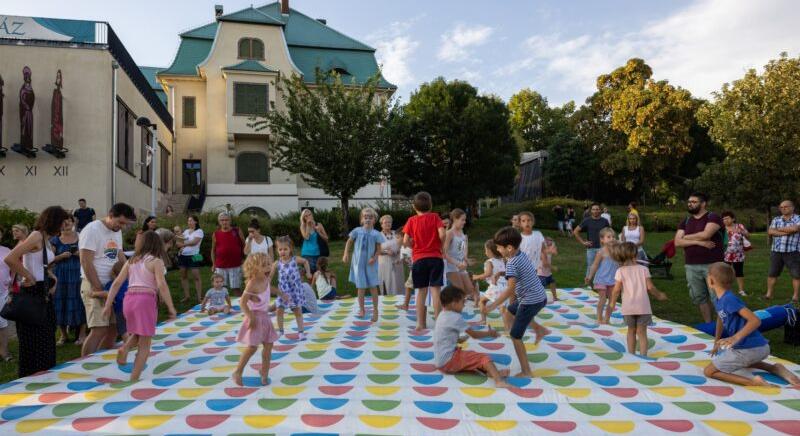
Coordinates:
114	132
153	163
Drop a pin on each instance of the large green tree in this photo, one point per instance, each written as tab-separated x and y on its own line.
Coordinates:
534	122
333	134
453	143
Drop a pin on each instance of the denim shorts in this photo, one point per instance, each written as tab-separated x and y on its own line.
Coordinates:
546	280
734	359
523	315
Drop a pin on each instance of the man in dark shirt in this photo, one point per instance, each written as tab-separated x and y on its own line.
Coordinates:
561	219
592	225
701	240
83	215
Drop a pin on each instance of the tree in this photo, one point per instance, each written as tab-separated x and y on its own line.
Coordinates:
332	134
756	121
453	143
533	122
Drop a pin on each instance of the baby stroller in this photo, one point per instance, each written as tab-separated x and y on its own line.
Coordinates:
660	265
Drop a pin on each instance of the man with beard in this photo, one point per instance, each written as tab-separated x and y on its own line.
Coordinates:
592	224
699	235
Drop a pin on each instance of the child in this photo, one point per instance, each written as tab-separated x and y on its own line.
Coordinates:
217	298
525	288
427	232
455	243
292	295
533	246
633	281
257	326
738	343
448	333
145	273
324	280
119	299
545	270
405	255
364	265
494	270
602	270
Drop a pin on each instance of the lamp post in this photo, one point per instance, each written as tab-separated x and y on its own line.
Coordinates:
145	122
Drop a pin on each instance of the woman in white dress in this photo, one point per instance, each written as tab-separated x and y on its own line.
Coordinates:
258	243
634	232
390	265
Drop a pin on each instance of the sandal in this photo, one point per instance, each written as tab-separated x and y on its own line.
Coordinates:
7	358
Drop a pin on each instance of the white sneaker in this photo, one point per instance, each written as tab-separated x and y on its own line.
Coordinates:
301	336
743	293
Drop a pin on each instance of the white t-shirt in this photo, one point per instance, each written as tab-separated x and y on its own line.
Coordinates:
532	246
106	245
190	235
264	247
5	272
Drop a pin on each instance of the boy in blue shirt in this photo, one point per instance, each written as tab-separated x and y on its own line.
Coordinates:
525	290
738	343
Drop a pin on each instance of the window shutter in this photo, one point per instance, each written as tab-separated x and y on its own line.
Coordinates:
189	112
252	168
245	48
250	99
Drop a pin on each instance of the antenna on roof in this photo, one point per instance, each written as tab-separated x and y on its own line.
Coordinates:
217	11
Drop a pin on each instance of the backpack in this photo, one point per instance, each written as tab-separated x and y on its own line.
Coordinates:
721	231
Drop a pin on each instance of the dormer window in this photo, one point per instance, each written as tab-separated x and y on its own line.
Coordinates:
251	48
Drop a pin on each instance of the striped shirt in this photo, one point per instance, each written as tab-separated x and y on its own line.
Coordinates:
788	243
529	289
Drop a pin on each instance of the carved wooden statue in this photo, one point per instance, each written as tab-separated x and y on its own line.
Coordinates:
56	145
26	102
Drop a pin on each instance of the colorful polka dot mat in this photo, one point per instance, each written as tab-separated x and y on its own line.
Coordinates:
354	377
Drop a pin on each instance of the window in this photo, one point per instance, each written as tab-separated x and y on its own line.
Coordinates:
252	167
189	112
147	160
250	98
125	122
163	166
251	48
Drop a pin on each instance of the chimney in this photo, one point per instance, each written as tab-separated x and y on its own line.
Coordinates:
217	11
323	21
285	7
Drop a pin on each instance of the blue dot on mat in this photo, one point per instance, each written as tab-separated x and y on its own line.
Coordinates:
82	385
691	379
223	405
502	359
772	378
675	339
339	379
518	382
437	407
119	407
754	407
277	356
359	328
200	359
573	356
328	403
551	338
649	409
569	315
252	382
186	335
614	345
420	338
422	355
604	380
166	381
538	409
18	412
344	353
427	379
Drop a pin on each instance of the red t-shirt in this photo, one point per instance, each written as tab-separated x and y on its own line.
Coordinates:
424	230
228	249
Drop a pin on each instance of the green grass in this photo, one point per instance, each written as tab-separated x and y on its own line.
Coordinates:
571	267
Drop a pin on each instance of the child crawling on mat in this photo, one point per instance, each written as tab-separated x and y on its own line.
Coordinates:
449	332
738	343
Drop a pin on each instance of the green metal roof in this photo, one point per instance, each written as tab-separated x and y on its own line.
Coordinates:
303	30
209	31
251	65
251	15
191	52
150	74
360	65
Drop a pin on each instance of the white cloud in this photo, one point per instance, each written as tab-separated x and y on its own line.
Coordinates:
394	50
699	47
457	42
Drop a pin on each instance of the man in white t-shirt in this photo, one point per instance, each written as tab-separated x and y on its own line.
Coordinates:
533	243
100	244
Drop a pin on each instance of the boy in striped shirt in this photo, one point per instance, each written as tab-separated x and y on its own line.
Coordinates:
525	290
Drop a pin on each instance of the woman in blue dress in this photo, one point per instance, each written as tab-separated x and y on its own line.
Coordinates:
366	243
69	307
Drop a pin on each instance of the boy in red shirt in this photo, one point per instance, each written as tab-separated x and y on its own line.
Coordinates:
426	232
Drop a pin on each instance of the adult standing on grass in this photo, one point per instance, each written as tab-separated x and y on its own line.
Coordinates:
37	339
100	245
785	232
83	215
734	252
227	246
701	239
189	257
258	243
592	225
634	232
312	232
390	265
561	219
68	305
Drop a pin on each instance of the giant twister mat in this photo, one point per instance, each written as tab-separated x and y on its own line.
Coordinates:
352	377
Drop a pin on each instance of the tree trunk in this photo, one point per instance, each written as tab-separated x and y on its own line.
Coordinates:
345	213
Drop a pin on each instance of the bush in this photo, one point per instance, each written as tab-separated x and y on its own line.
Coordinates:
9	217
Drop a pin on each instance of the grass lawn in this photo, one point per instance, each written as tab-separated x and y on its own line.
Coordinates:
571	266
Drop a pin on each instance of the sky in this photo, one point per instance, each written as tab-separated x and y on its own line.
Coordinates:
557	48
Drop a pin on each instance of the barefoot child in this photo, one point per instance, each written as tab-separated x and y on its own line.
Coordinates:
633	281
427	232
534	247
256	326
524	288
145	275
494	270
545	270
324	280
455	243
217	299
738	343
602	271
292	295
364	266
448	333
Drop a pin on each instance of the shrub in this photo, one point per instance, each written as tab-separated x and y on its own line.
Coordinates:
9	217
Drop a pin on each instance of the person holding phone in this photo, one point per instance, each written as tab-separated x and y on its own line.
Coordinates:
68	304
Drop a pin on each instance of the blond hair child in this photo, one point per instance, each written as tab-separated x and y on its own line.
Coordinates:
364	264
602	271
292	295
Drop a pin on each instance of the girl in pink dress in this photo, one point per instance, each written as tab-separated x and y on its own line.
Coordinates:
145	275
257	326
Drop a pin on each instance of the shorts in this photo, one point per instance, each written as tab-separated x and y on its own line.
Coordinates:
603	289
637	320
523	315
562	225
231	277
94	308
427	272
464	360
777	261
696	276
331	295
738	268
547	280
734	359
187	262
591	253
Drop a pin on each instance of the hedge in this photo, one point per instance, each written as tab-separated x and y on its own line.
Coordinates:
9	217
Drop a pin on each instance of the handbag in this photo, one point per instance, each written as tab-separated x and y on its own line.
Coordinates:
197	258
324	250
29	307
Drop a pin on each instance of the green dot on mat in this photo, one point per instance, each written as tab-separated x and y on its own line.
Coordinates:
387	338
703	336
329	328
210	381
380	405
383	379
560	380
37	386
486	410
159	337
193	345
274	404
537	357
337	317
792	404
67	409
122	385
390	316
321	340
544	315
610	355
350	304
683	355
584	339
651	343
471	379
696	407
233	321
388	327
592	409
296	379
89	366
215	334
311	354
165	366
232	357
182	323
386	354
172	405
647	380
560	326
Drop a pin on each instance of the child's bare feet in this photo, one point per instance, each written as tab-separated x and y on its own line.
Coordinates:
524	375
787	375
122	356
237	378
759	381
500	383
541	332
401	306
374	318
504	372
360	314
264	377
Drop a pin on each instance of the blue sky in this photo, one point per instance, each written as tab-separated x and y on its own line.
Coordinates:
555	47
